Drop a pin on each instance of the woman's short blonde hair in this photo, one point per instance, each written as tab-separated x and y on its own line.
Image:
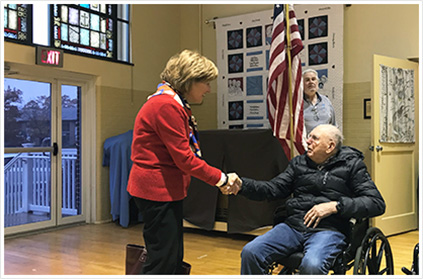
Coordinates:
187	67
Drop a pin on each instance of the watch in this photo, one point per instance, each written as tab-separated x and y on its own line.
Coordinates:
226	180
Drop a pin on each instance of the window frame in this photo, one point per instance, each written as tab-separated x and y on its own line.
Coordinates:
116	53
112	16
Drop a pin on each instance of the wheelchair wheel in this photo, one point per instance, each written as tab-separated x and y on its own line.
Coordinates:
374	256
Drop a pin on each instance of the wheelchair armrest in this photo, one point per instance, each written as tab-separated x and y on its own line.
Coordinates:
358	231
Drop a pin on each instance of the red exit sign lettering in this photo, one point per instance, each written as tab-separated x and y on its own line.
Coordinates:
49	57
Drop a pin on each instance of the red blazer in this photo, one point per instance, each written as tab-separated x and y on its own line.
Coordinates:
163	162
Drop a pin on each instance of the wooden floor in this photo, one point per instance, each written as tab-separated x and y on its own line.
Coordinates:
100	250
17	219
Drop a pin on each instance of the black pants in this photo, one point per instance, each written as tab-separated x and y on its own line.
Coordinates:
163	236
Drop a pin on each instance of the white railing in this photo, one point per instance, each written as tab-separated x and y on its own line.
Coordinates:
13	186
68	183
27	183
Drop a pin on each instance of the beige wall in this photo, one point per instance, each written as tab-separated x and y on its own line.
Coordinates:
389	30
159	31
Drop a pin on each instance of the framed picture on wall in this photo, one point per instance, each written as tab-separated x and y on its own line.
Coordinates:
367	108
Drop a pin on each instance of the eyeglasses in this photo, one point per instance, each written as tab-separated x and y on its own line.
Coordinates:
312	137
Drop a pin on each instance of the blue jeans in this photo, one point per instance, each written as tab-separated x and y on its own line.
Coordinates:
320	250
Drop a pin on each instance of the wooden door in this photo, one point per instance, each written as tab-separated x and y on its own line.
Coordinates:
395	164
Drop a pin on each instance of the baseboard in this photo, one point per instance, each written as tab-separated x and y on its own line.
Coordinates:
102	221
218	226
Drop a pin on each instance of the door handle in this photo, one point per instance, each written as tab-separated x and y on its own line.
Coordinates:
378	148
55	149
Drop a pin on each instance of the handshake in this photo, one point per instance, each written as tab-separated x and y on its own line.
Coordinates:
233	186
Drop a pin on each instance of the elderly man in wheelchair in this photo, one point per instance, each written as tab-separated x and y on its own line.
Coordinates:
325	187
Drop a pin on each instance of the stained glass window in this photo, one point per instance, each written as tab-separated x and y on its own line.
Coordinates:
18	23
92	29
98	30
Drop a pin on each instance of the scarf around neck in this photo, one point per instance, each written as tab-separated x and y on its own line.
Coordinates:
166	88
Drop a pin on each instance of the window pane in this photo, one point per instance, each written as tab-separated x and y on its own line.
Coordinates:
95	7
23	25
71	152
95	22
103	41
95	39
110	45
5	17
84	20
13	20
110	24
64	13
123	35
103	25
85	37
26	112
64	32
74	34
27	188
73	16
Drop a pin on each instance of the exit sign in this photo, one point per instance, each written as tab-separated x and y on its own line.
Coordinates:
49	57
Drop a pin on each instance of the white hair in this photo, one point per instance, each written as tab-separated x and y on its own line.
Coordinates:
311	71
334	134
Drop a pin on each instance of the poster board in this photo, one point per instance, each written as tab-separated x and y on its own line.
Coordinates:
243	44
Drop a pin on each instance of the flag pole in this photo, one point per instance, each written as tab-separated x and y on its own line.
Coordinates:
289	47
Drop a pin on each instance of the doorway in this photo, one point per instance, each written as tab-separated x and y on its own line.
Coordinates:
395	138
43	155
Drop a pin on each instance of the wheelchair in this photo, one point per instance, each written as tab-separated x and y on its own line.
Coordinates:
415	266
368	252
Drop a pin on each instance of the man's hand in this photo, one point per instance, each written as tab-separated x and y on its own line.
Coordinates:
233	186
318	212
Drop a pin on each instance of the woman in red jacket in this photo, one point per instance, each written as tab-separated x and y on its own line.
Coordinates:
165	154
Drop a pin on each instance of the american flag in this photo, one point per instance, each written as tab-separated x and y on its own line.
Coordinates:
278	83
